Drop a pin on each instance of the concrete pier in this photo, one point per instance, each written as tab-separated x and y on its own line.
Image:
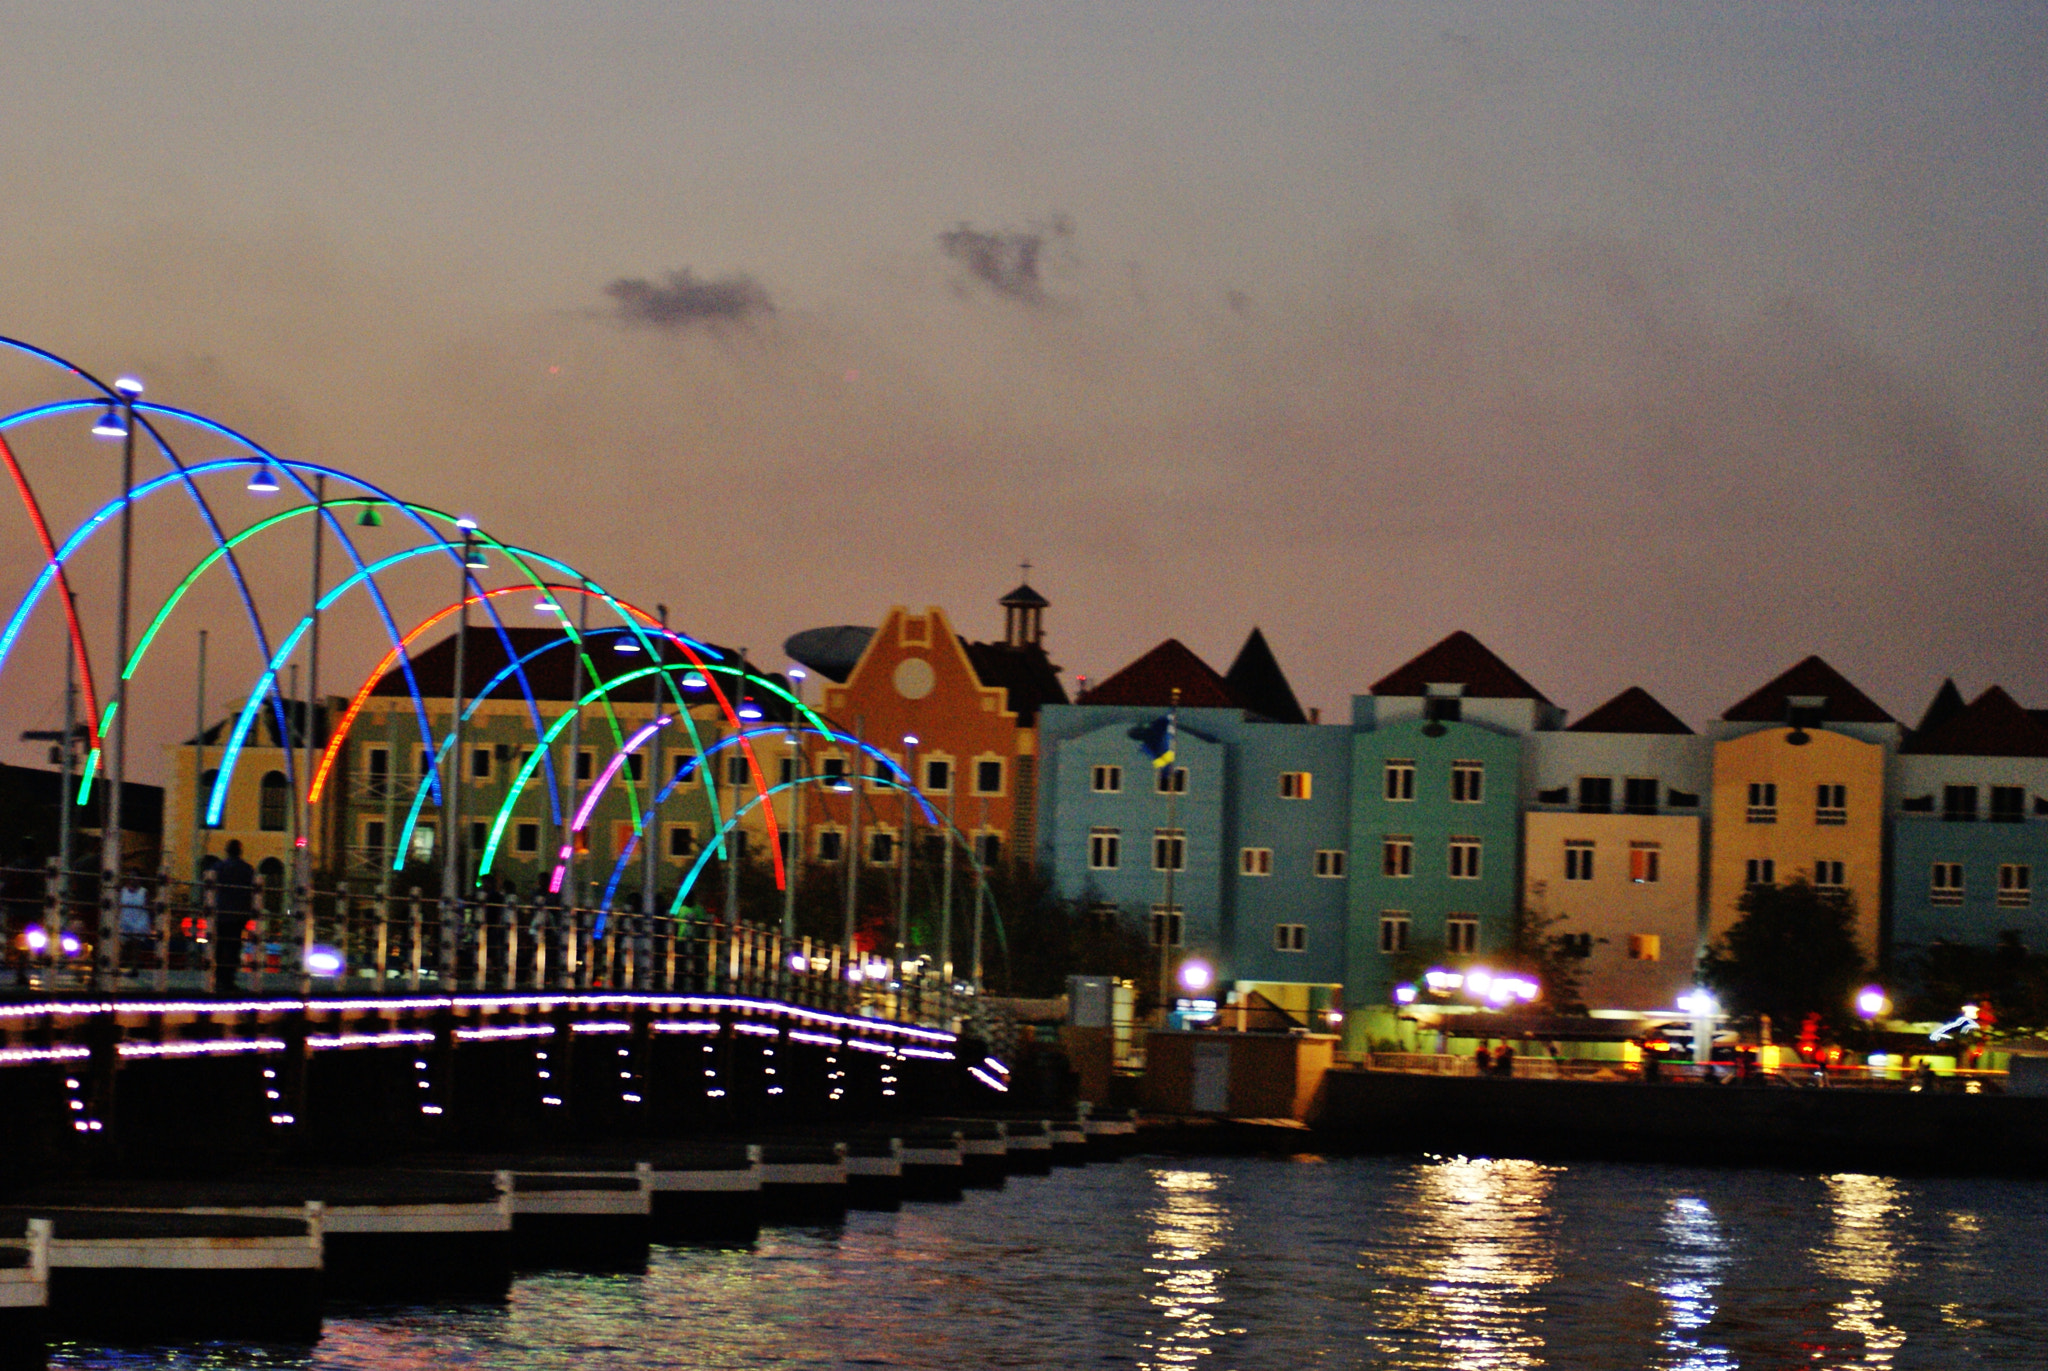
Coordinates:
803	1182
874	1172
933	1168
24	1294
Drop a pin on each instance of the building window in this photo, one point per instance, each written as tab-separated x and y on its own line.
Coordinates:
1763	802
2008	804
526	838
881	849
1578	945
1596	795
1167	925
1760	871
737	772
1394	932
1645	861
584	766
1639	795
1828	875
1830	804
1464	859
1105	848
1255	861
1959	803
1290	937
479	834
1461	933
1578	861
1443	709
833	769
1104	911
938	776
1169	849
1109	780
988	849
426	764
1645	947
831	844
380	763
1947	884
373	838
1330	862
276	795
1400	780
2015	886
1171	780
1468	782
480	764
988	778
1296	785
636	767
1397	857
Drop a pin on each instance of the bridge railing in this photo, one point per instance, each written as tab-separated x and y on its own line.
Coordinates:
157	935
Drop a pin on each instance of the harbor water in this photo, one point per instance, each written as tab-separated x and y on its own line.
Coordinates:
1268	1263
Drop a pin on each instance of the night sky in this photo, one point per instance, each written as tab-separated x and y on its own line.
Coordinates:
1655	344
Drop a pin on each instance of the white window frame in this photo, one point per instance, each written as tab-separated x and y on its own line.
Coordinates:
1645	863
1468	782
2015	885
1174	919
1760	871
1397	857
1395	927
1255	861
1105	848
1945	884
1297	785
1290	937
1169	849
1830	873
1170	780
1461	934
1399	783
1763	802
1830	804
1330	863
525	837
1645	947
1002	775
1463	858
1107	780
1579	860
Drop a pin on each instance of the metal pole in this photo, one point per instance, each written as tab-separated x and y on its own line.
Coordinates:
737	836
980	899
903	862
946	898
303	862
796	844
65	800
650	858
1166	916
452	864
853	794
198	764
568	849
108	954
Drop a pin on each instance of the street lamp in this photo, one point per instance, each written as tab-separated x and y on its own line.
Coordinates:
1872	1003
117	423
903	857
452	863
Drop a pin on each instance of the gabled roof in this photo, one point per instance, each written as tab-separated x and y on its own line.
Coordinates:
1946	704
1024	597
1151	680
1257	682
832	652
1026	676
1811	677
1635	710
1460	659
1992	725
552	675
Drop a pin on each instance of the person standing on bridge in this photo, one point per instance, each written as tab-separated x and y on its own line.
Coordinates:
234	884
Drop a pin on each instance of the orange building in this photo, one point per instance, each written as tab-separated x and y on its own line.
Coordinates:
972	707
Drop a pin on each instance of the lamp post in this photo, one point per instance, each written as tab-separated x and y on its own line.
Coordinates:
454	866
795	825
117	422
903	859
650	859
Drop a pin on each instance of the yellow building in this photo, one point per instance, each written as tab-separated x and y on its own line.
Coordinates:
1799	775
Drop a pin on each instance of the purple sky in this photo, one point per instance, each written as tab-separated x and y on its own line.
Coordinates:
1655	344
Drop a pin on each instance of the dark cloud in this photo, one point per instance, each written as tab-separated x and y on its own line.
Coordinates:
684	300
1009	262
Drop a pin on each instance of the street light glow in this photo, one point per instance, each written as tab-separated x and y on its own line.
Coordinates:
1872	1002
264	482
1196	976
110	424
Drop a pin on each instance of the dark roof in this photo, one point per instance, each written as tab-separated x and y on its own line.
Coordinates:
1463	660
1946	704
1024	597
1772	704
1635	710
1258	683
1992	725
551	674
1026	675
831	652
1151	680
265	731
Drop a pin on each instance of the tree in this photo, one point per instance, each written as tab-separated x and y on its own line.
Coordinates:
2013	979
1553	956
1791	953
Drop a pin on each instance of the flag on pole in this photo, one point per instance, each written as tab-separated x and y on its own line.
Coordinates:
1157	740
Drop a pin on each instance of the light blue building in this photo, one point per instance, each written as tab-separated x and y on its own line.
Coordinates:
1969	827
1252	818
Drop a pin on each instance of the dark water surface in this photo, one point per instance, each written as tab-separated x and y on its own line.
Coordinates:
1242	1263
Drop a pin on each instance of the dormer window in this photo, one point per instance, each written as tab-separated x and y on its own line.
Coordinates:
1806	711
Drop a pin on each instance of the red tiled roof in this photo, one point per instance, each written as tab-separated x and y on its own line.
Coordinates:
1845	703
1992	725
1463	660
1150	681
1635	710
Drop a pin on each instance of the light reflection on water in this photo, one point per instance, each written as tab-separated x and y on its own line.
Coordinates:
1411	1265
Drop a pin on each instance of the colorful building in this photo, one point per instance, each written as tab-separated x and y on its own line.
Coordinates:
1436	778
1612	845
1969	826
1799	794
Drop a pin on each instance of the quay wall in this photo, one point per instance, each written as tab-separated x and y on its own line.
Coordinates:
1825	1129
